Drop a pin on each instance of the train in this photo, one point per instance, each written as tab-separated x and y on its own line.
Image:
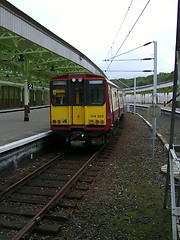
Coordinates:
85	108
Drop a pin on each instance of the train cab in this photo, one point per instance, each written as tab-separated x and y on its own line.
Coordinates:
80	108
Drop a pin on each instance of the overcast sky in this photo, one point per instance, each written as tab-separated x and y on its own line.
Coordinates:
92	25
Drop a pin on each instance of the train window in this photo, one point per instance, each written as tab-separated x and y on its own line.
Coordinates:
97	95
78	96
96	82
59	96
59	93
59	83
95	92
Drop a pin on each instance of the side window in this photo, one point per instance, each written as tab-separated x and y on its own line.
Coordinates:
120	99
116	99
110	97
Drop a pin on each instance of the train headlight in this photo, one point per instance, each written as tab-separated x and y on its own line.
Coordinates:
102	121
73	79
58	121
54	121
91	121
80	80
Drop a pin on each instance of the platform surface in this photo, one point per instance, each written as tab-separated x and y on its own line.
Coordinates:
14	128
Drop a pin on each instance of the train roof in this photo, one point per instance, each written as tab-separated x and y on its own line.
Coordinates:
85	75
113	84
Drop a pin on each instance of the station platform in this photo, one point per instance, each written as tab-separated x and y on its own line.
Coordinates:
13	128
14	131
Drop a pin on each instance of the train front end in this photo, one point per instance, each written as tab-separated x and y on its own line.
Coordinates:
78	108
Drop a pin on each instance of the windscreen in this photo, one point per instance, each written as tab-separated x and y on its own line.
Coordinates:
96	92
58	93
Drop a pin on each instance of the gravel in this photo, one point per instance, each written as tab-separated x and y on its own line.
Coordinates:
125	200
163	125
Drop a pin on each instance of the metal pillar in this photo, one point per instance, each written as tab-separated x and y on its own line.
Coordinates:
154	95
135	95
26	100
170	175
178	66
42	92
34	97
21	97
26	93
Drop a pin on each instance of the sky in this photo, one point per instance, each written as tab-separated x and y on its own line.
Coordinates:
91	26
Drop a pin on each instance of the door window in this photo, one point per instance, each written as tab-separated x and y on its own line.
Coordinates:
78	96
77	93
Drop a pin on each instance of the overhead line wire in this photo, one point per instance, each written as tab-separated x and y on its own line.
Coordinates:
128	34
131	28
119	28
129	51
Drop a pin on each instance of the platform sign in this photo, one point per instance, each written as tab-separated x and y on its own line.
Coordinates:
31	86
154	113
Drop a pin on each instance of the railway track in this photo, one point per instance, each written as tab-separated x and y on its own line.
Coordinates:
163	123
43	201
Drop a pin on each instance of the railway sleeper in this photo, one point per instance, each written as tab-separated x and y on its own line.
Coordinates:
74	196
56	178
36	192
56	216
101	159
49	229
50	194
93	174
100	163
61	172
41	202
82	188
67	205
86	180
104	155
42	184
24	200
94	169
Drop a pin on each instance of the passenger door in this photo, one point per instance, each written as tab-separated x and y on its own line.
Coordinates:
78	102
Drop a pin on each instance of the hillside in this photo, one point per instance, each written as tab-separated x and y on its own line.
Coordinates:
141	81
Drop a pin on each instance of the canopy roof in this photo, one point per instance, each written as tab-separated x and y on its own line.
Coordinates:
27	48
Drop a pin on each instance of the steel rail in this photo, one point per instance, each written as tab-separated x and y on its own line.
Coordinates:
29	227
21	182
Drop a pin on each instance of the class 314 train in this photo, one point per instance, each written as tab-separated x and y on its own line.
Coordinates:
84	108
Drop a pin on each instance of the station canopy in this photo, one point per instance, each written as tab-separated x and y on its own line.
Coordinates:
27	49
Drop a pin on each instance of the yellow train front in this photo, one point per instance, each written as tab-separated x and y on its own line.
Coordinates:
82	108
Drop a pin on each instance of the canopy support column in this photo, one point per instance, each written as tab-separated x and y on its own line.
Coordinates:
26	100
26	94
